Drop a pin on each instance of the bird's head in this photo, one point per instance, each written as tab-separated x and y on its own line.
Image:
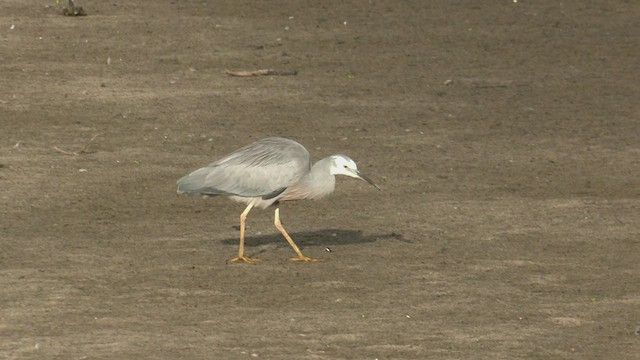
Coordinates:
343	165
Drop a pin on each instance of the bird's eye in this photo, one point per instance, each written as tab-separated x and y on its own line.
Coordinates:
346	167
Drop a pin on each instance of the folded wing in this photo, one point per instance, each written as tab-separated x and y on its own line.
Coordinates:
262	169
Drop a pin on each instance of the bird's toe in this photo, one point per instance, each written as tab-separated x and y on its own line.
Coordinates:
243	259
304	259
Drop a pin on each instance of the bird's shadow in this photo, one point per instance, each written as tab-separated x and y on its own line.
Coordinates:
325	237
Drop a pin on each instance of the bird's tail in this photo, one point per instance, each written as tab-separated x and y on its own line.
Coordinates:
193	184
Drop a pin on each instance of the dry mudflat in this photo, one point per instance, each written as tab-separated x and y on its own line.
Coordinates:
505	136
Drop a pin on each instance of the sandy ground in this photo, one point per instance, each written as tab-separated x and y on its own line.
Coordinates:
505	135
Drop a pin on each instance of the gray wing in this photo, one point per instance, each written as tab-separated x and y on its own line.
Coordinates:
262	169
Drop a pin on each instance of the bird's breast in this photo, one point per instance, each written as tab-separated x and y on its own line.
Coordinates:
309	189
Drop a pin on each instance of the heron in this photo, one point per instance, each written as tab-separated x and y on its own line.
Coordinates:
266	173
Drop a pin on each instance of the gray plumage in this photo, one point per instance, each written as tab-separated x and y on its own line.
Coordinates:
262	173
265	173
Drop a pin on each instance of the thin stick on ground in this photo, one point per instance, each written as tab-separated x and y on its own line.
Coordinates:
84	150
261	72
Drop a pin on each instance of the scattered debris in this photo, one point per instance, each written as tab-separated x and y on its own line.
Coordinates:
261	72
77	153
73	10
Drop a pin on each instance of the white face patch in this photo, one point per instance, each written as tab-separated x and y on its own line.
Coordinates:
342	165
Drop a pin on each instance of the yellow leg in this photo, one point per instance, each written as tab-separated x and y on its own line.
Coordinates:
290	241
241	257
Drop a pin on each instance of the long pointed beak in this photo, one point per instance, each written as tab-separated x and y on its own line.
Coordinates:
367	179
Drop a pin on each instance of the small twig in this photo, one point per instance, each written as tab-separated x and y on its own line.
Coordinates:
84	149
261	72
65	152
77	153
491	86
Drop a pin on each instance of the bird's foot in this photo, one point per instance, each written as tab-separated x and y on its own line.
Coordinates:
304	259
243	259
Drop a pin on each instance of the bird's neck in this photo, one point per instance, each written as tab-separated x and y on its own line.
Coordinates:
320	180
316	184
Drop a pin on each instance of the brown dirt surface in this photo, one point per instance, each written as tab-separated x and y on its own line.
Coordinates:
505	136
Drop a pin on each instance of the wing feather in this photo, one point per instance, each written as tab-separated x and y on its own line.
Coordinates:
260	169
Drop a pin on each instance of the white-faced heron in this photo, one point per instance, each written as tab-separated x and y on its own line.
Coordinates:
266	173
